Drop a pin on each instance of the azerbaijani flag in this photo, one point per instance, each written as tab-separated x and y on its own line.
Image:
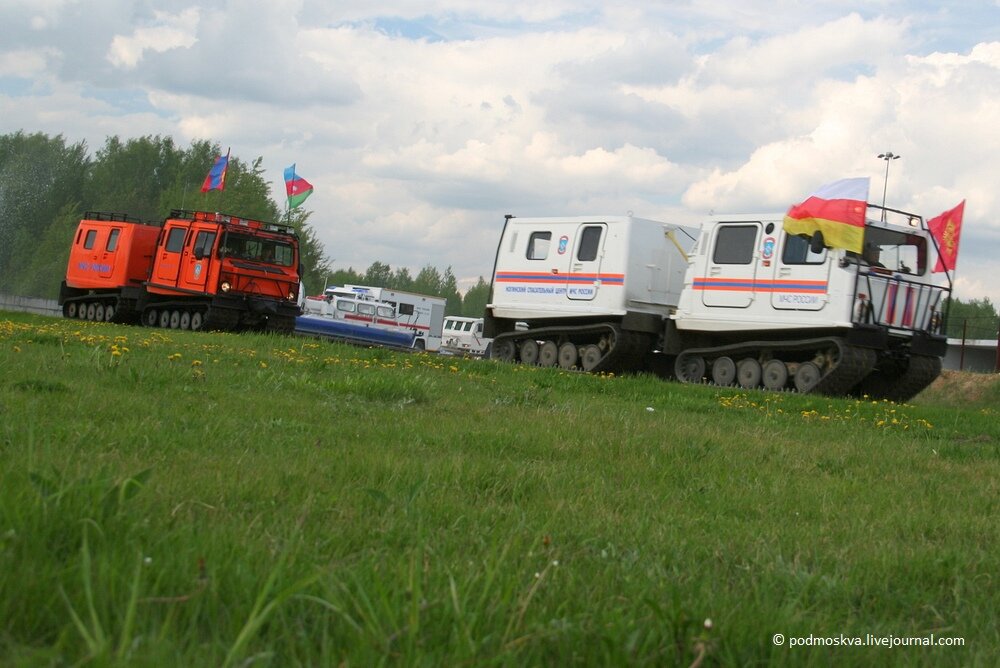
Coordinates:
947	228
836	209
216	179
297	188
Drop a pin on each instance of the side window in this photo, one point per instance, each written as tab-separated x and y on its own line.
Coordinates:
797	251
406	309
175	240
204	242
346	305
386	312
366	309
538	245
590	241
734	244
113	240
88	243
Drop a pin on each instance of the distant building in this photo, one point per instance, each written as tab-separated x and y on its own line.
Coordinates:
979	355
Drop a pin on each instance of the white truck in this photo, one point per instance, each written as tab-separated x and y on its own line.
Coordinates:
464	336
736	301
364	314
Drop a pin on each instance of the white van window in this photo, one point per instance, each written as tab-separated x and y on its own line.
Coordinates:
538	245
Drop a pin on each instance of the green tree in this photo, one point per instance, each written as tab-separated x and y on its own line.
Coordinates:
378	275
39	177
401	280
315	263
345	277
474	302
449	290
977	319
428	281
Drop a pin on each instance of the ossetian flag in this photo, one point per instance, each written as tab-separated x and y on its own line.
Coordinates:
947	228
296	187
836	209
216	179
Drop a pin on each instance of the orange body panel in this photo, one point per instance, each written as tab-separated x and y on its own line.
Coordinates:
110	254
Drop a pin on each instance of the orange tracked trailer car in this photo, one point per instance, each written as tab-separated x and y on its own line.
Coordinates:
194	270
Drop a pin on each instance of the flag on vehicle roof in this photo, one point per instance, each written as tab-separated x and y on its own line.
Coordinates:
947	228
216	179
297	188
837	210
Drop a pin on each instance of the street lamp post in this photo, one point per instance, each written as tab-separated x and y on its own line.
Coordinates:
888	156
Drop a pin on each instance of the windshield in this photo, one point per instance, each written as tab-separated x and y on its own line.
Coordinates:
258	249
895	251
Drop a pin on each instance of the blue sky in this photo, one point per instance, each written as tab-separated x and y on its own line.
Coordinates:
422	123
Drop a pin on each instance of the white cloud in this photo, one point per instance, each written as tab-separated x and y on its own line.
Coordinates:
168	32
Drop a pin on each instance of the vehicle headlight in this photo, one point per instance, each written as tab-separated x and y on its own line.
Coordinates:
291	295
226	286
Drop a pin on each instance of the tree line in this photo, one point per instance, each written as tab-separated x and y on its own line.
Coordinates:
47	184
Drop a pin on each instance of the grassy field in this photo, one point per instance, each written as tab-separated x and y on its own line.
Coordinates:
180	498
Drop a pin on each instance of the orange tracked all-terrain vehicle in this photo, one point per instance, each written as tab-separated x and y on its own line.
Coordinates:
195	270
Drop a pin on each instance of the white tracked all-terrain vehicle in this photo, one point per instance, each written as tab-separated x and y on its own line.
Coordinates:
734	302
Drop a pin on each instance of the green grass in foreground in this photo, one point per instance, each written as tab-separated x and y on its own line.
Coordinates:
178	498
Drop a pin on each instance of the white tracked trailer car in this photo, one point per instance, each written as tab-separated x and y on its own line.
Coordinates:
734	302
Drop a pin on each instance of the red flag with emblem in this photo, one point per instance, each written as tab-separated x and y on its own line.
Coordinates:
947	228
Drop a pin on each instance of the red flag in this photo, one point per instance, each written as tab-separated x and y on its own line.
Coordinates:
216	179
947	228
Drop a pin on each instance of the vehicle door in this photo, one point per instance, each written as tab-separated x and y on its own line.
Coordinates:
197	257
106	263
583	278
168	254
801	277
729	279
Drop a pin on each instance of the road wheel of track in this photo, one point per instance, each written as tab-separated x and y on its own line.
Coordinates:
92	311
504	351
689	368
99	313
164	319
568	355
748	373
109	313
174	319
775	375
590	357
70	310
724	371
185	320
548	354
806	376
197	320
529	352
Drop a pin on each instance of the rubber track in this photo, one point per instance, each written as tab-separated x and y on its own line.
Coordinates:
222	319
921	372
851	366
627	352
